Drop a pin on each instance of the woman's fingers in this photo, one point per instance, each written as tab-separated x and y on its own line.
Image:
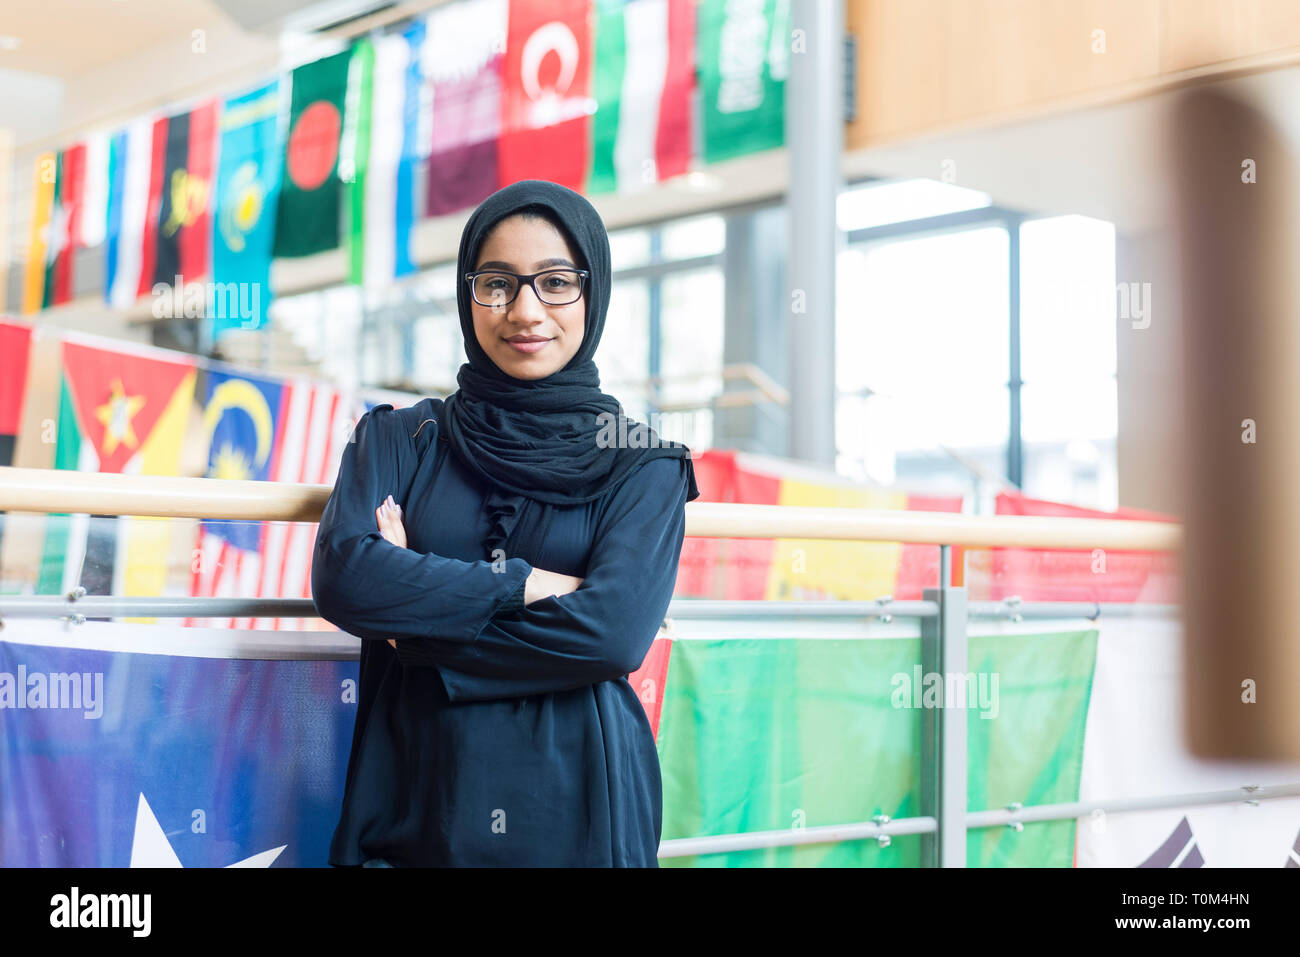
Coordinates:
388	518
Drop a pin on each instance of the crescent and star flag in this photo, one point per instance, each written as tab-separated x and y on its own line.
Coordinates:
644	83
243	221
463	60
260	428
743	54
309	207
547	106
240	418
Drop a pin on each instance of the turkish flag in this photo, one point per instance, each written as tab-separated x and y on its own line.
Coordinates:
546	104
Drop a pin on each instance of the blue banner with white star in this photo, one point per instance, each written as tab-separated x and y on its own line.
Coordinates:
126	759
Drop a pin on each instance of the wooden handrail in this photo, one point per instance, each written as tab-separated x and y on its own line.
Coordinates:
66	491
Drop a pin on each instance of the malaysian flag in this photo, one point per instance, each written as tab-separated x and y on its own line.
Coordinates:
291	430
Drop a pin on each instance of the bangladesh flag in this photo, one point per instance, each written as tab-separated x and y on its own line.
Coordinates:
776	733
645	78
743	52
310	204
121	412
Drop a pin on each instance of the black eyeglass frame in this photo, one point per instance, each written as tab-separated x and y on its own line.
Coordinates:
583	274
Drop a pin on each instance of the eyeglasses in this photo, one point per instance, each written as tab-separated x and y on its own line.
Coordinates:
559	287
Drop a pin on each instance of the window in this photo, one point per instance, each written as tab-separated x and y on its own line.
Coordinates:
922	359
1067	323
924	333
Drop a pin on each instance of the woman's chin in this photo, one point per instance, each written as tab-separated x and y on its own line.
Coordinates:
525	366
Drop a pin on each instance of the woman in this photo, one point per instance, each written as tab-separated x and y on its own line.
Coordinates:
506	567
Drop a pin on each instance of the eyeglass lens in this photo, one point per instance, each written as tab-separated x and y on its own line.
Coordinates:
553	288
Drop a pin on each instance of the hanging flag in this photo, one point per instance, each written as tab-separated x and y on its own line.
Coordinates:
65	225
240	423
43	186
463	59
1104	575
644	82
243	221
95	194
547	106
760	734
130	164
308	209
159	747
382	198
316	421
354	151
412	168
743	58
159	137
15	347
648	681
184	222
124	412
1136	747
309	423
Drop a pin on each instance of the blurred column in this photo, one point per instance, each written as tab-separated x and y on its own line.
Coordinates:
1234	174
756	330
814	136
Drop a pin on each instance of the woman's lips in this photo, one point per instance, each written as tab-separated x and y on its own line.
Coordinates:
537	345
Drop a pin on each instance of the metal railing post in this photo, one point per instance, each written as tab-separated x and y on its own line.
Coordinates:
943	728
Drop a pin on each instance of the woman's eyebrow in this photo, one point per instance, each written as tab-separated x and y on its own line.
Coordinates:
541	264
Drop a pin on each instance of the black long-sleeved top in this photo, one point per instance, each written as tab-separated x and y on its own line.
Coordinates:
496	733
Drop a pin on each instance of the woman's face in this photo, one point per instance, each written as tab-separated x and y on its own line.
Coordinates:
521	245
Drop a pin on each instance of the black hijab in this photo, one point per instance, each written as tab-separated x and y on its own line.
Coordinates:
544	440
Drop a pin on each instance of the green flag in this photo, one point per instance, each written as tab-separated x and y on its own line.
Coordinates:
773	734
743	54
308	214
356	153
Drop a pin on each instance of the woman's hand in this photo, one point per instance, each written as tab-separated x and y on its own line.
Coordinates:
539	584
543	584
389	518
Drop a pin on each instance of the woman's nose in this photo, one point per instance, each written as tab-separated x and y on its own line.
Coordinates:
527	305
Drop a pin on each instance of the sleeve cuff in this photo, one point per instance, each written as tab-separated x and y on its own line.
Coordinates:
514	602
416	651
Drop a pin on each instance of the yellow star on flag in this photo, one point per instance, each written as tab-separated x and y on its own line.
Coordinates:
116	414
